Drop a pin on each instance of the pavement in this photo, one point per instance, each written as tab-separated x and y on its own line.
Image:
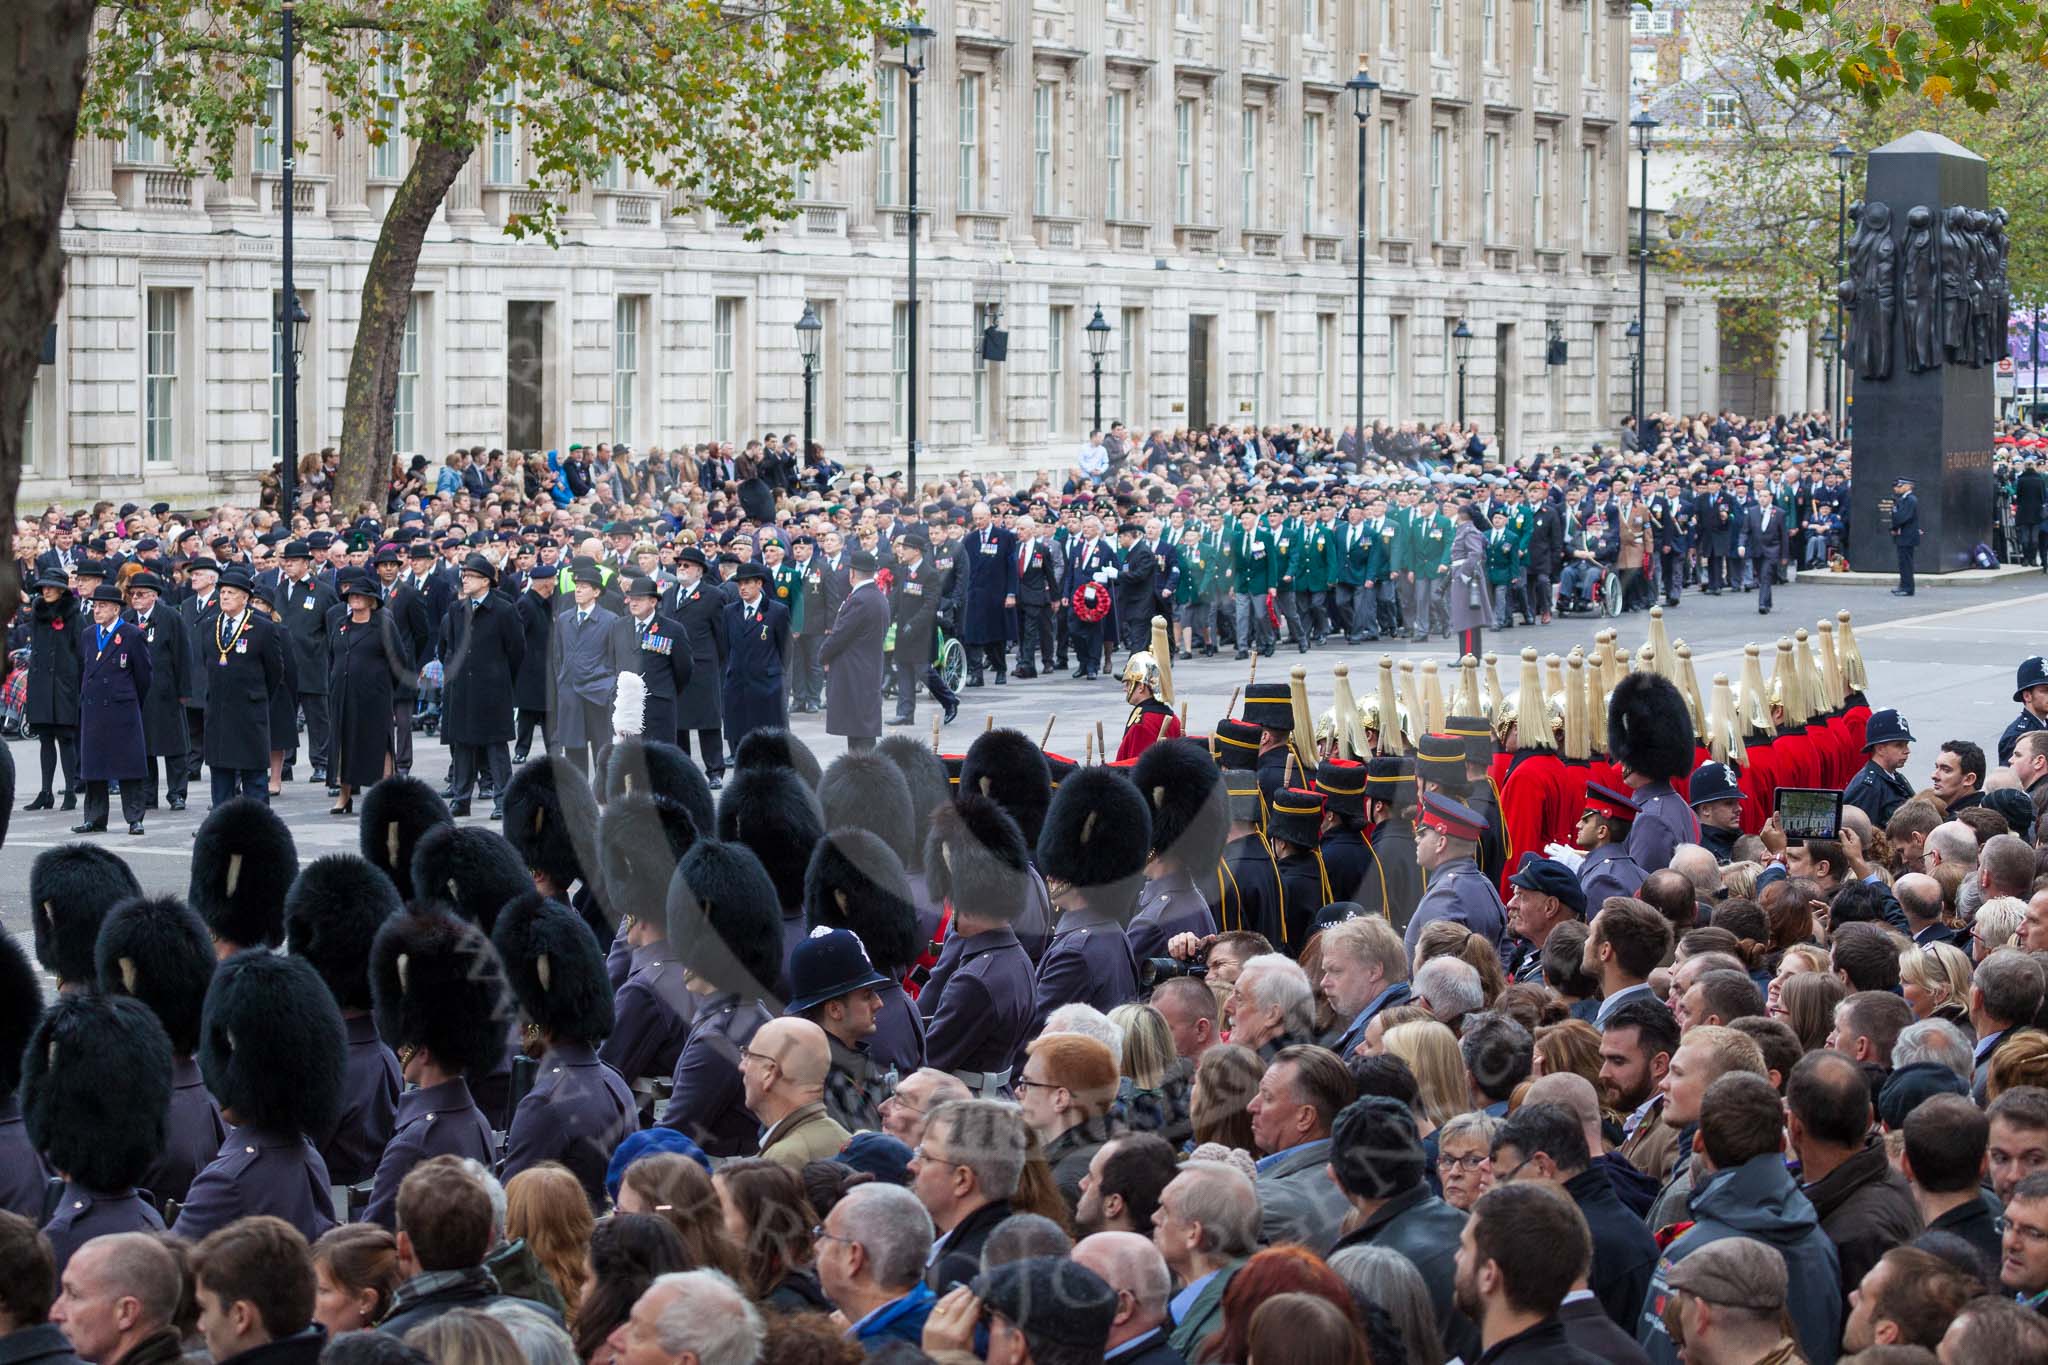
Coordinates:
1946	659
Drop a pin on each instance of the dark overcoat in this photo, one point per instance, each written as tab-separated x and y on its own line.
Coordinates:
989	558
535	679
753	697
240	680
369	661
54	662
115	679
482	649
700	612
852	655
170	663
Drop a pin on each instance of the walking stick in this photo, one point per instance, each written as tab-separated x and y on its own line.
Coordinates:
1046	738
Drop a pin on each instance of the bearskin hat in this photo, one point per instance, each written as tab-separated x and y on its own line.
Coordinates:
70	890
470	868
396	812
331	917
644	767
1649	727
640	840
557	972
156	949
1007	768
271	1044
724	923
1098	831
976	859
243	862
96	1090
774	747
757	500
551	819
6	790
925	771
1190	810
21	1005
437	984
867	791
772	812
855	881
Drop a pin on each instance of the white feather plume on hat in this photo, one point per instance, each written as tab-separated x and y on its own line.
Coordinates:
629	704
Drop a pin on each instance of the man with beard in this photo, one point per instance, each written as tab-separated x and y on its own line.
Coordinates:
1636	1047
1125	1178
1518	1255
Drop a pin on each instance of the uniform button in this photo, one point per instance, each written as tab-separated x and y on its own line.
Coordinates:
250	1150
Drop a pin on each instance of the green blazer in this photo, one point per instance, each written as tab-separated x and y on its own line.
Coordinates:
1205	1315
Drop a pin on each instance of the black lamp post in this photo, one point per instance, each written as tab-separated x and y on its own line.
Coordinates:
292	318
1830	347
1644	126
1842	154
810	333
914	37
1634	339
1098	347
1361	87
1461	342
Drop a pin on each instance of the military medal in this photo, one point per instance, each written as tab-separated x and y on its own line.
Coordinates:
226	641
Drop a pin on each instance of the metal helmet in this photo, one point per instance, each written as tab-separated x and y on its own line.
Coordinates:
1369	718
1143	668
1326	732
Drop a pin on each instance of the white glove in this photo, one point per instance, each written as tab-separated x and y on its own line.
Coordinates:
1570	857
1113	573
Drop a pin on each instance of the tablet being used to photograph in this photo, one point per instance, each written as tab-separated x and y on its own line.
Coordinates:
1810	812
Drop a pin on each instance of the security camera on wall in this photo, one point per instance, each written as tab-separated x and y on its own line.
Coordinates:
995	344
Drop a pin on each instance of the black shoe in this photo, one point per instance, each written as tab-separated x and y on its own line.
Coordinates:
458	808
1185	655
348	807
70	803
1243	654
178	802
1023	673
42	802
1900	592
519	757
716	780
286	775
1763	611
447	793
135	828
319	777
952	710
975	681
498	815
1093	675
1080	673
1001	677
893	720
88	829
334	789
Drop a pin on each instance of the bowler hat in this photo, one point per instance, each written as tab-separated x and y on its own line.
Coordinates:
147	580
588	575
481	567
751	572
297	549
235	576
863	562
642	586
829	964
106	592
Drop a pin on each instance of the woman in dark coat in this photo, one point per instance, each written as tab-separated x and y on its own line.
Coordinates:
55	666
284	702
370	655
1470	613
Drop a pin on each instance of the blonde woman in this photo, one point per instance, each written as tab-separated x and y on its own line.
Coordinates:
1935	979
1739	880
1798	959
1431	1051
1463	1158
1154	1085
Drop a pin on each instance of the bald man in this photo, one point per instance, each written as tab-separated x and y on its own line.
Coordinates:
117	1298
1132	1267
783	1070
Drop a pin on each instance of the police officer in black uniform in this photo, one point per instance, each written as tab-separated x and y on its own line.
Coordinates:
1716	802
2030	690
1877	789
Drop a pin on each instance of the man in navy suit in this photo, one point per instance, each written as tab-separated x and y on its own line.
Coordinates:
592	646
1090	558
1905	532
112	685
852	656
1766	543
988	554
757	627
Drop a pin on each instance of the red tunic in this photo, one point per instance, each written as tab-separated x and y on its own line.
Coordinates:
1150	722
1539	804
1857	717
1759	783
1798	761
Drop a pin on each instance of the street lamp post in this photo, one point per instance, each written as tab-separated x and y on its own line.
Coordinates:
291	315
809	334
1830	343
1098	347
914	36
1361	87
1633	339
1644	126
1461	342
1842	155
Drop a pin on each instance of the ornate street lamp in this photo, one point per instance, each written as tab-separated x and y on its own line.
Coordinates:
915	39
1361	87
1644	126
1098	347
1461	342
810	335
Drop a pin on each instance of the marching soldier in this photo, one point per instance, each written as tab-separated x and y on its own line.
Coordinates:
914	611
111	743
303	606
1151	719
1268	706
1247	886
1603	834
163	707
1190	821
1390	809
978	1001
2031	692
1353	870
244	661
1446	839
1294	824
1093	850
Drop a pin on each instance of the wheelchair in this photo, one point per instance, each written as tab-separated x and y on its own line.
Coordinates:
949	656
1604	599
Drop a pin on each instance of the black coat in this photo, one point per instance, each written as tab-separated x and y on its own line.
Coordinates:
240	681
753	697
369	661
989	559
852	655
701	615
1134	584
667	666
196	613
2032	500
481	651
408	613
535	679
1766	545
114	682
54	662
170	663
914	609
302	611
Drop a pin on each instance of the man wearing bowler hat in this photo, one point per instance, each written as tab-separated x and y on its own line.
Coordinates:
303	602
757	629
201	602
1546	894
914	610
163	708
111	743
699	609
482	645
2030	690
592	646
242	651
852	654
665	661
1877	789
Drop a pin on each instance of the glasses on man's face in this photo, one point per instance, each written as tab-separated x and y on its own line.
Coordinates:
757	1058
1509	1178
1023	1083
928	1157
819	1234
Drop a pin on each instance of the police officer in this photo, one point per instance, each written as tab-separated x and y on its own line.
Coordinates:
303	603
1905	532
697	607
579	1109
482	647
1190	820
1649	733
1603	834
1877	789
1446	841
1093	850
111	743
832	984
163	708
243	654
2031	692
1716	802
979	998
666	663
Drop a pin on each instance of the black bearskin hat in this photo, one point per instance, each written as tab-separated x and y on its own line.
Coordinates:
6	790
867	791
1649	727
243	862
757	500
21	1005
1007	768
930	787
1098	831
976	859
723	920
643	767
271	1045
640	840
774	747
470	868
331	917
551	819
96	1090
1190	810
856	881
70	890
156	949
556	969
396	812
438	985
772	812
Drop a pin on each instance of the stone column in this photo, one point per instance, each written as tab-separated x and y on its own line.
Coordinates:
938	132
92	173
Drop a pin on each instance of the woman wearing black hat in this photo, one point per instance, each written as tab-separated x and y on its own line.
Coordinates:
370	655
55	665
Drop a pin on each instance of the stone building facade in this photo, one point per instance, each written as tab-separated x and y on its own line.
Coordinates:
1187	167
